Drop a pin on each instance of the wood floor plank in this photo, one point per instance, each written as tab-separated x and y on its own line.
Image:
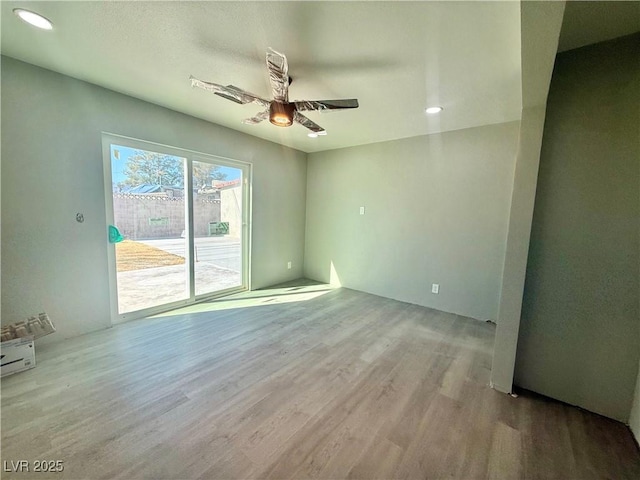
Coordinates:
380	460
506	452
296	382
307	444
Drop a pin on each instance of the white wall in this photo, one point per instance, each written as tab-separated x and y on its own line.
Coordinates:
52	169
540	24
517	248
436	211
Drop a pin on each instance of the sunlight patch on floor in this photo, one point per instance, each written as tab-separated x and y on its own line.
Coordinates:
254	298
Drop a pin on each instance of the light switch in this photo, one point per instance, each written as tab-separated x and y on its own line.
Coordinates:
361	210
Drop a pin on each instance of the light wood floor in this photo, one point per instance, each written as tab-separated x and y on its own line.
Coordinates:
297	383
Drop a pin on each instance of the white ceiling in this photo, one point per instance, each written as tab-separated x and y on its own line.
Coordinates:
395	57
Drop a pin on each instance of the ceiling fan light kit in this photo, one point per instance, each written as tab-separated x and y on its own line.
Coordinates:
281	114
280	111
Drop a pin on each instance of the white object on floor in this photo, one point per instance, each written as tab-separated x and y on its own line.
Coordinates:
17	355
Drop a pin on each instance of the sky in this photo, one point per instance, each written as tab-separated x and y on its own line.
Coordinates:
118	165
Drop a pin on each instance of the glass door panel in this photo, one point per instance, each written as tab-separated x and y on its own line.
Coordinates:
149	209
184	217
217	227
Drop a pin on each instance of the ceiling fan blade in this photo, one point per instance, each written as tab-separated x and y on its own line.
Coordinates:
278	75
306	105
245	96
256	119
229	92
305	122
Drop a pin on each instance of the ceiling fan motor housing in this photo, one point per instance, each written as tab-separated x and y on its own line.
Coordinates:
281	114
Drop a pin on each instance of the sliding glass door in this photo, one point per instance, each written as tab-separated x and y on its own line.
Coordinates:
148	198
178	223
217	232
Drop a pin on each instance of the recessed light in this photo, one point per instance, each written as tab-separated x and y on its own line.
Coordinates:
312	135
33	19
431	110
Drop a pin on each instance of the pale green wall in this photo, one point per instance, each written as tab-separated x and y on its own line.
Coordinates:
579	334
436	211
52	168
634	417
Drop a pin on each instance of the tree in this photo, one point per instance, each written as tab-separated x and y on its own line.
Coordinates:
153	168
204	173
160	169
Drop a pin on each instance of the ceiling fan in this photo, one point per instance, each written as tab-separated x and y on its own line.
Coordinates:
280	111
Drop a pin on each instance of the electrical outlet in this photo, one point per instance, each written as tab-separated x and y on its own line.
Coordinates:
435	288
361	210
288	265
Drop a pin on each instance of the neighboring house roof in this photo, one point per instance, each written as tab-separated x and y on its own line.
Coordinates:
144	188
227	184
